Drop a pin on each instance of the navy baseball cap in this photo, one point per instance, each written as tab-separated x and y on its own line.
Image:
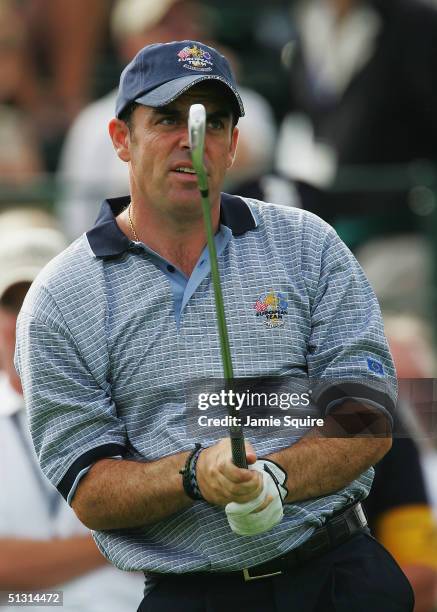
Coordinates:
160	73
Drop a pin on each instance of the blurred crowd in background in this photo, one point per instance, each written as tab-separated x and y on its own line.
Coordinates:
341	119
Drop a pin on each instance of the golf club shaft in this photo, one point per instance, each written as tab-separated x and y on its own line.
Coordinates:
236	432
197	132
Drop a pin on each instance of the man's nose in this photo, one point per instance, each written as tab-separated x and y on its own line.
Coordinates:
184	141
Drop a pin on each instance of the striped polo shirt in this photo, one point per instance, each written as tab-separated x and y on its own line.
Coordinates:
111	335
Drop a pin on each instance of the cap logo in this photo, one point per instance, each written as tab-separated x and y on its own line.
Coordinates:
195	58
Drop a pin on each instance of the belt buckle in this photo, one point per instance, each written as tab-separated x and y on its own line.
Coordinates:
249	578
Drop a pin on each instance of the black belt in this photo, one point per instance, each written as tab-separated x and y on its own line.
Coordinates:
338	529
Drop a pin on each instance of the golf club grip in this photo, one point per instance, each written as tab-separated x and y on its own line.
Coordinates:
238	451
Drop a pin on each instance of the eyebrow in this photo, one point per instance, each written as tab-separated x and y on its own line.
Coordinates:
165	110
220	114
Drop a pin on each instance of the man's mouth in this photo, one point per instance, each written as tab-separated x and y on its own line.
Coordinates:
185	170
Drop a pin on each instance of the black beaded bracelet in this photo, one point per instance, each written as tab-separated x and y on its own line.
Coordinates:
189	479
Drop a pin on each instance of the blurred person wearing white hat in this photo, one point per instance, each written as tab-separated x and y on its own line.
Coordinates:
42	544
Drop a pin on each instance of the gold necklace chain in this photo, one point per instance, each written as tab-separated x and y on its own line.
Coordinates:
132	224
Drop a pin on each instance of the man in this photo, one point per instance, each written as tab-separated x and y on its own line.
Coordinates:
125	318
42	544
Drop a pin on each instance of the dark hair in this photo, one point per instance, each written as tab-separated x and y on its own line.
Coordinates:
235	117
126	114
230	103
12	298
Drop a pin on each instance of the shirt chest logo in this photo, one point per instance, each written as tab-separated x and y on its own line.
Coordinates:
271	308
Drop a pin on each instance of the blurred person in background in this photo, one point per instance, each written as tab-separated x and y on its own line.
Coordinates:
401	516
411	342
399	507
20	160
18	85
42	543
254	156
65	38
48	50
403	284
64	41
362	93
20	154
89	168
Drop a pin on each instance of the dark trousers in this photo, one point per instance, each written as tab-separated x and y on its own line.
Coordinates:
359	575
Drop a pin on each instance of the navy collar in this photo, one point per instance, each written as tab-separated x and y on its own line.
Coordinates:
107	240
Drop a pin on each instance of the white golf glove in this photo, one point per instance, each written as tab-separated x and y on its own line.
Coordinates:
241	517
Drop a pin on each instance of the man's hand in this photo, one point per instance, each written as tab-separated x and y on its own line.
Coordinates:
221	482
253	497
264	512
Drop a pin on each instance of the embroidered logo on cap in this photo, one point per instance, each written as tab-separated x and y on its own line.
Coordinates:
375	366
272	307
196	59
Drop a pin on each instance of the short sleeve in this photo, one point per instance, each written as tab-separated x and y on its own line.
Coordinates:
72	418
348	355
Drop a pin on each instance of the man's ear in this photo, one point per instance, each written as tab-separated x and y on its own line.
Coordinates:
120	136
233	146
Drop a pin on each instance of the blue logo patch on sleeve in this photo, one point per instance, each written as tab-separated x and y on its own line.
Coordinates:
375	366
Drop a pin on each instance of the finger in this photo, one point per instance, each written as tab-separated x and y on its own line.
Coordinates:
251	457
233	473
268	500
246	492
239	491
239	485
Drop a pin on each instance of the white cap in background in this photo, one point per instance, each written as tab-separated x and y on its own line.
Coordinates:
136	16
26	246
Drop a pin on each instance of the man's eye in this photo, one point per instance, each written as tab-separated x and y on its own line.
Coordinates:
215	124
168	121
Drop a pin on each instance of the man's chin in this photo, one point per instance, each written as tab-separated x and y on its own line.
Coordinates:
185	199
185	204
186	208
